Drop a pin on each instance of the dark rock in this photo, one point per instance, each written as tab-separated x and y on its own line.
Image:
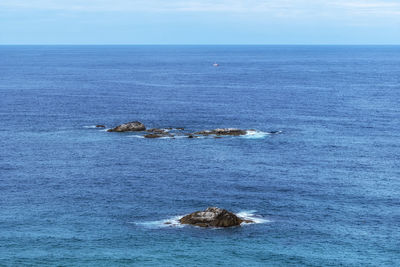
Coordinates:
212	217
191	135
204	132
153	136
229	131
156	130
223	131
180	128
158	135
100	126
275	132
133	126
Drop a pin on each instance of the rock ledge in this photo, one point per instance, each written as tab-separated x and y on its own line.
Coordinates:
223	131
134	126
213	217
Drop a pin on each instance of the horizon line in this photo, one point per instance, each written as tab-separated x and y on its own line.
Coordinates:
228	44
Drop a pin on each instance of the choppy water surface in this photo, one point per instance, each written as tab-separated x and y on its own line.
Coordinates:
324	192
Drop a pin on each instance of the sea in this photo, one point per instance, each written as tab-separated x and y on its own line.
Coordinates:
319	173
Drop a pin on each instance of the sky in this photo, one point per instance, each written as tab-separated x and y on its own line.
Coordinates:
199	22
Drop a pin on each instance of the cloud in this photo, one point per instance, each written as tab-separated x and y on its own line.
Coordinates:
370	7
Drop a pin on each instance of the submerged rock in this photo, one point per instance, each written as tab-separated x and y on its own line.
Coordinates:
133	126
213	217
153	136
100	126
156	130
158	135
275	132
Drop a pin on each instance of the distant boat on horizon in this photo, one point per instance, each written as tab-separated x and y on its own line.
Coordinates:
216	64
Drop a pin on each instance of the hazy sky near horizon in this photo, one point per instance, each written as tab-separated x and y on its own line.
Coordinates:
200	22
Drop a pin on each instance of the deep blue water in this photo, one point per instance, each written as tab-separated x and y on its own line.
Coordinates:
327	189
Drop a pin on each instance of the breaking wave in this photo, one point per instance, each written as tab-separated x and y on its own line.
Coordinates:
252	216
255	134
102	129
171	222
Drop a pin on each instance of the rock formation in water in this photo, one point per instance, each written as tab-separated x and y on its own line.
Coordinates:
223	131
158	135
134	126
137	126
156	130
100	126
213	217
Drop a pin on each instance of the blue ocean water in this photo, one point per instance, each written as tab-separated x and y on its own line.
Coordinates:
325	192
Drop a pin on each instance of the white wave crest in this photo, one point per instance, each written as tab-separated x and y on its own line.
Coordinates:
171	222
255	134
250	215
136	136
102	129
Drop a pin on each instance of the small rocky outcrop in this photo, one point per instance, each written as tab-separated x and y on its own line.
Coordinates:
213	217
134	126
275	132
205	132
223	131
158	135
153	135
156	130
229	131
190	135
